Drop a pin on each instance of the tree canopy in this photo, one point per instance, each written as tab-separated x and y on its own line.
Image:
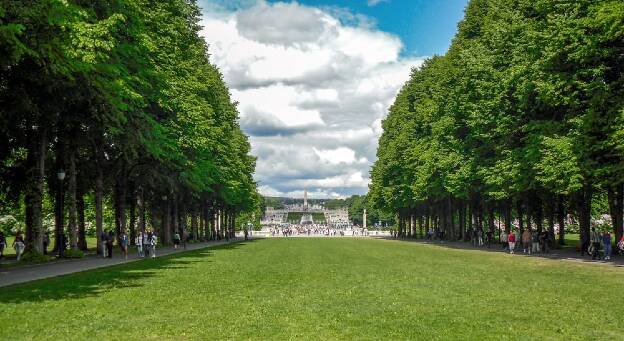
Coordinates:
522	115
122	96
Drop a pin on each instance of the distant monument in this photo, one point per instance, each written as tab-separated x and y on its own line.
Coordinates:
306	218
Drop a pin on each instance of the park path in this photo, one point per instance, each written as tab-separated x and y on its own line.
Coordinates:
566	254
27	273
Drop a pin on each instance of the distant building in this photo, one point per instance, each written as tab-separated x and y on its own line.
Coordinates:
338	218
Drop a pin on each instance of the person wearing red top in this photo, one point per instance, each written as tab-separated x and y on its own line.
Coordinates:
511	239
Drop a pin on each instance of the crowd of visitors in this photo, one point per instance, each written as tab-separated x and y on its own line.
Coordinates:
599	245
316	230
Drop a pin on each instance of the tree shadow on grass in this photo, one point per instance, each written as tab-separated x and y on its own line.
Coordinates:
556	254
92	283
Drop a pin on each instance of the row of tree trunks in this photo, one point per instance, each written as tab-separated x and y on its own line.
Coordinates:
207	220
458	218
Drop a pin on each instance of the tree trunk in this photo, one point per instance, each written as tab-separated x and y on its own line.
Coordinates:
99	193
140	200
174	216
491	213
59	210
34	192
561	219
120	202
539	215
182	218
132	211
584	202
71	201
194	226
520	212
551	218
82	233
529	214
462	220
616	209
167	221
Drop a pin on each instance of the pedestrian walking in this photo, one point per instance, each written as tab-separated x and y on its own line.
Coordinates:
19	245
2	243
109	243
511	240
595	239
535	242
176	240
138	241
103	239
489	237
526	241
545	241
46	242
124	241
153	242
504	239
606	242
146	243
621	245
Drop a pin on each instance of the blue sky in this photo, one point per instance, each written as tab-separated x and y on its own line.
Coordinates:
426	27
315	78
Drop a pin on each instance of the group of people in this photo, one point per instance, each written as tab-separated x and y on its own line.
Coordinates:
314	230
145	243
18	244
430	234
530	241
598	241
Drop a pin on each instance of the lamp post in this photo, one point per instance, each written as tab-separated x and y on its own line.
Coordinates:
60	242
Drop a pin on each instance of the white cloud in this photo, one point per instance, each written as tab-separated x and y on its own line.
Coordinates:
372	3
312	90
336	156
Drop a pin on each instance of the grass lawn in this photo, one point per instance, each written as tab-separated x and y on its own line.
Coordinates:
10	251
308	288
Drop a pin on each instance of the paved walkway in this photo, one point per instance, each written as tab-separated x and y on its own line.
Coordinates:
568	254
27	273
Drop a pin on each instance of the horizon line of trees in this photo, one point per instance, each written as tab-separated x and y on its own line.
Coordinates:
522	119
122	98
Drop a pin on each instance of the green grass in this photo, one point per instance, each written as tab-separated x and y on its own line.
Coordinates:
323	289
10	251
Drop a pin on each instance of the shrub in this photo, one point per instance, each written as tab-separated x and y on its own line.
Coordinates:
71	253
35	258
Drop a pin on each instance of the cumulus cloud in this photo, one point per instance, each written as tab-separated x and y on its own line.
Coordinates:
313	86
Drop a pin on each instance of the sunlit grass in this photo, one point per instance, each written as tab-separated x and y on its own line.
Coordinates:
308	288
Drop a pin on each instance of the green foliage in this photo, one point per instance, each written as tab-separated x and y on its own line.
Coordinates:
74	253
34	258
128	90
527	103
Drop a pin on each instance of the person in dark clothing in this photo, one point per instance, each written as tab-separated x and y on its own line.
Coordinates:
489	238
109	243
3	244
46	242
62	245
545	241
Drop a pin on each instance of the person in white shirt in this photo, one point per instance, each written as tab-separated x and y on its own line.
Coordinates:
153	242
138	241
